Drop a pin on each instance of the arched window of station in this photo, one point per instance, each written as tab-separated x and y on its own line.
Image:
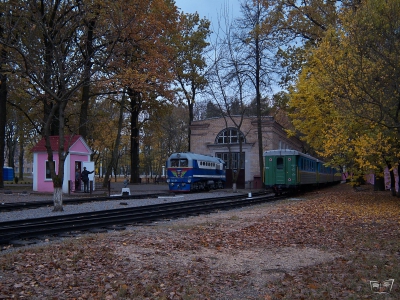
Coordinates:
229	136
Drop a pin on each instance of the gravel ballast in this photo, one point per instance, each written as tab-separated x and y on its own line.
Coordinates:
94	206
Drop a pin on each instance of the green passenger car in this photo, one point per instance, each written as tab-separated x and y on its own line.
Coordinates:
288	170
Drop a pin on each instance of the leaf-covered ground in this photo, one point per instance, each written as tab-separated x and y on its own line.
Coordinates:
324	245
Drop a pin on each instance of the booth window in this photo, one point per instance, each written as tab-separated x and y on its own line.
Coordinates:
48	173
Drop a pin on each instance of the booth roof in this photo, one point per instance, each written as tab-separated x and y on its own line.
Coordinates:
54	143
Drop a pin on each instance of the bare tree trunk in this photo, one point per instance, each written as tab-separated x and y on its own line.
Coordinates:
392	183
135	109
392	179
114	156
11	146
21	157
258	99
3	120
58	199
191	117
234	187
398	180
62	153
83	116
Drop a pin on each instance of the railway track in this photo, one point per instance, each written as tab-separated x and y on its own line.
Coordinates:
42	228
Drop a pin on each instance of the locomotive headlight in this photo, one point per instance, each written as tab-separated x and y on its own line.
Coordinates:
168	180
190	180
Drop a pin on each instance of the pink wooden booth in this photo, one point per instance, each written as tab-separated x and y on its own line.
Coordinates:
77	159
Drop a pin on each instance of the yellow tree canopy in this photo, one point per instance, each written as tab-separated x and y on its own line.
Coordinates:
346	100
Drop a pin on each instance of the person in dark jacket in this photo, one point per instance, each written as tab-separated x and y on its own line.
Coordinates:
85	178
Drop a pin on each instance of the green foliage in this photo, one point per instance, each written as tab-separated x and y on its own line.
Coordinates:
190	63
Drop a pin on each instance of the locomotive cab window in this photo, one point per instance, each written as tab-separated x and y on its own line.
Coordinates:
279	163
176	163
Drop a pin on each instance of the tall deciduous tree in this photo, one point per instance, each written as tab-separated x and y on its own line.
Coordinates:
106	111
351	79
190	64
143	61
92	16
3	91
228	82
255	37
3	108
115	150
44	42
301	25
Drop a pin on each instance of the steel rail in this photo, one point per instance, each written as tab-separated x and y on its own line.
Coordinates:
28	228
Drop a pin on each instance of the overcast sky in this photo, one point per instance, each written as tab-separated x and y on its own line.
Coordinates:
211	9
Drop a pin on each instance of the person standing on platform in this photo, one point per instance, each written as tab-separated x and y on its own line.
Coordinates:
126	182
77	180
85	178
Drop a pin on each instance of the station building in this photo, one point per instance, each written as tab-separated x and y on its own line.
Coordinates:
220	137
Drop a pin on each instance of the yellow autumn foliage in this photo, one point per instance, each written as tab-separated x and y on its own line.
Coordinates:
344	103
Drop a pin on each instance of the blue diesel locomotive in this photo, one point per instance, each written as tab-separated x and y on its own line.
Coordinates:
187	172
290	170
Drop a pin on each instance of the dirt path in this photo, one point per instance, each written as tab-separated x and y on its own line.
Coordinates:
325	245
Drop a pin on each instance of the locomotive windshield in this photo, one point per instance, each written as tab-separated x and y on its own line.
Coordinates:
176	163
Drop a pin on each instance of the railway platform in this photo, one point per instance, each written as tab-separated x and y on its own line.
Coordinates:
24	192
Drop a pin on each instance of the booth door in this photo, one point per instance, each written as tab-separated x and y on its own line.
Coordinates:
77	175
